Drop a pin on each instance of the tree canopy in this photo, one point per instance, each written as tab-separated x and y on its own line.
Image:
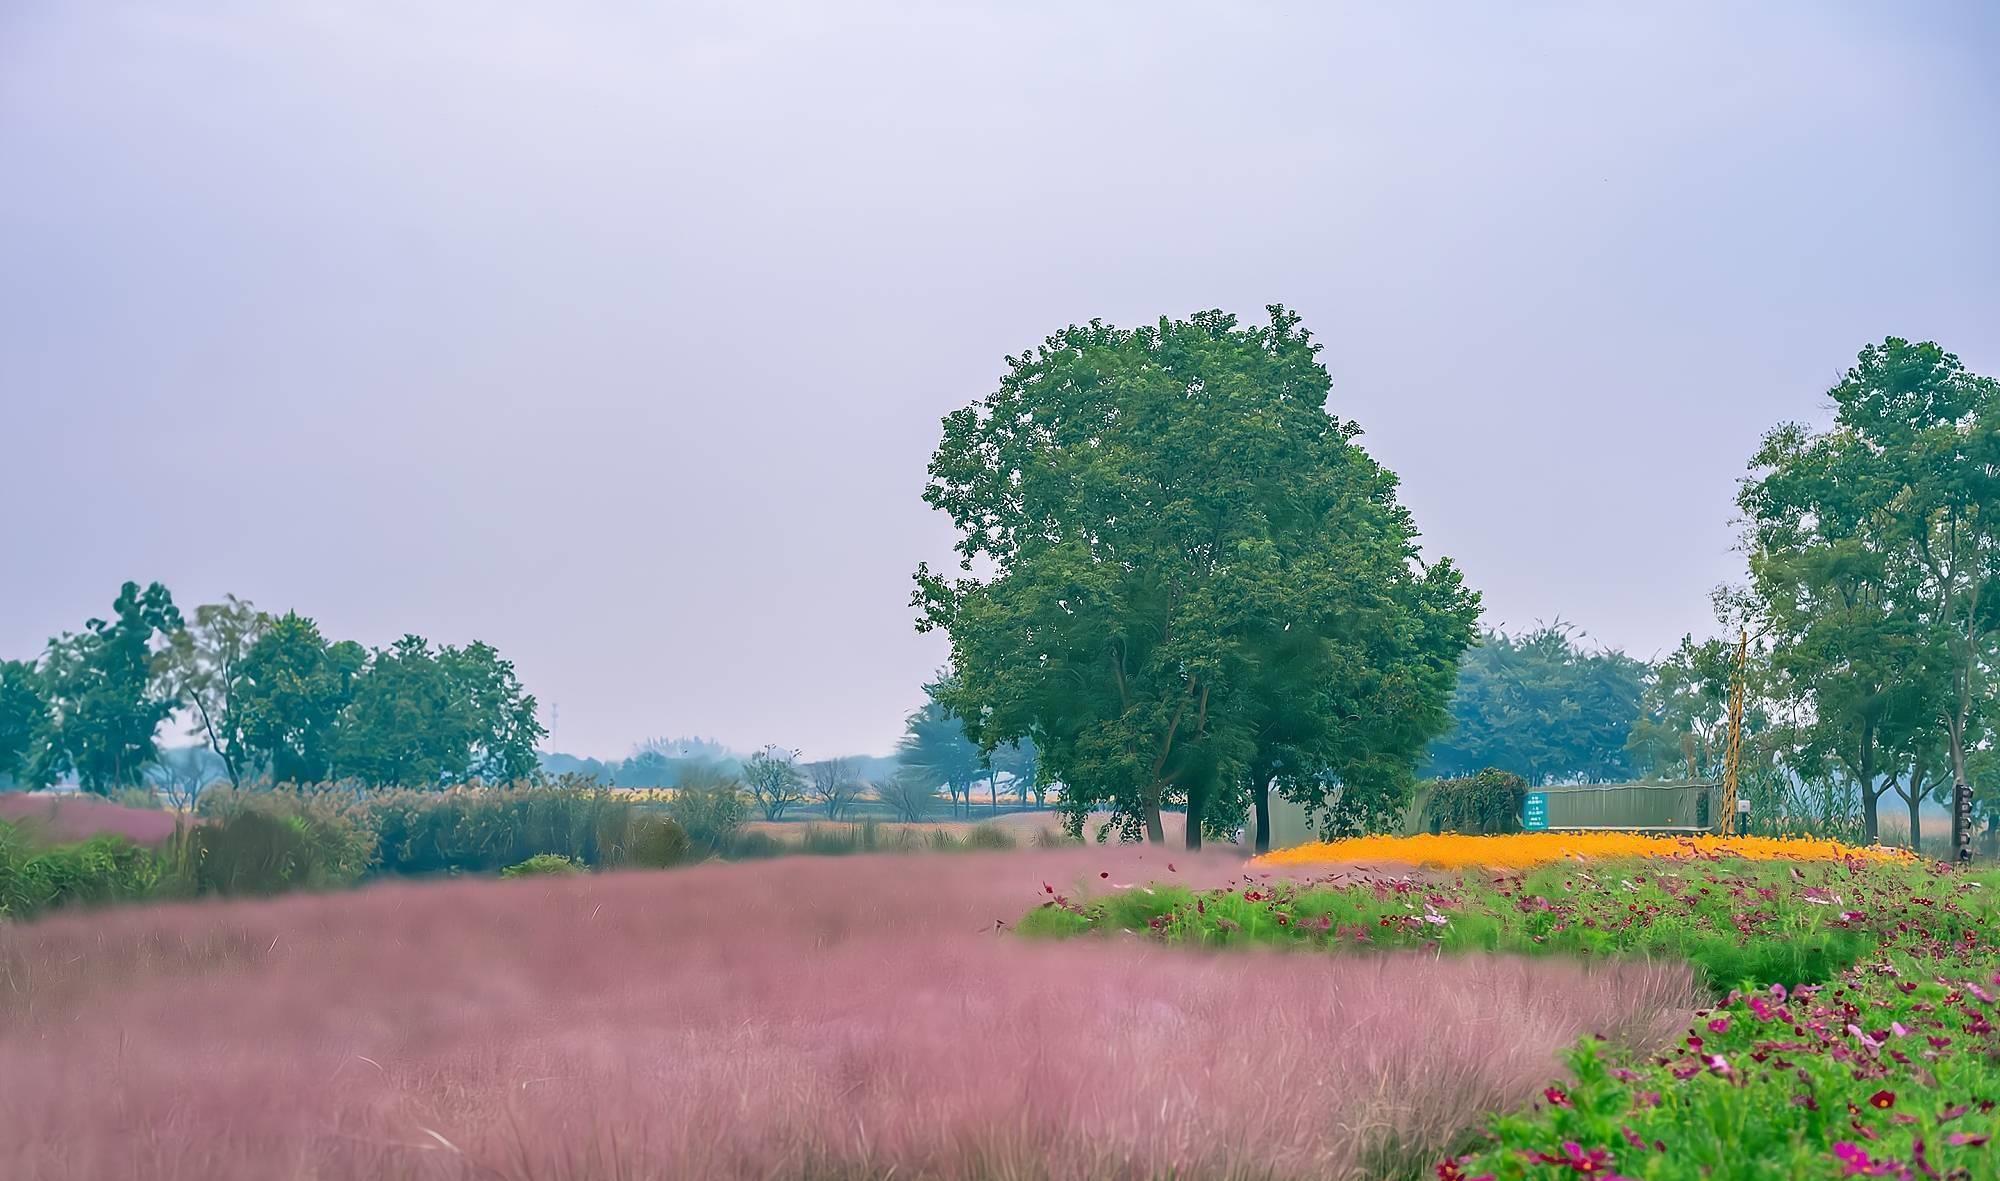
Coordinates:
1875	563
1177	532
1543	706
270	699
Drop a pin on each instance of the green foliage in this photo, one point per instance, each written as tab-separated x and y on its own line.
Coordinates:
934	749
543	865
1875	565
24	717
105	703
504	726
409	715
202	667
654	842
480	830
709	806
1543	707
294	687
409	723
1165	510
102	869
1488	802
268	842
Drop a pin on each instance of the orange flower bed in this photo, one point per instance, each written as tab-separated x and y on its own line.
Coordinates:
1522	850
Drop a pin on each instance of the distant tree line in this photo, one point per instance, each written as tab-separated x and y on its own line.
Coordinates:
269	698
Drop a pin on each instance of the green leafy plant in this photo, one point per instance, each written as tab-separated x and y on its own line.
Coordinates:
654	842
1486	802
99	870
709	806
543	865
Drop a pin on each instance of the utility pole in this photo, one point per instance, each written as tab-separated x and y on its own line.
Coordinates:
1733	754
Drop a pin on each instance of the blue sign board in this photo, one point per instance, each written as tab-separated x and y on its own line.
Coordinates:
1535	811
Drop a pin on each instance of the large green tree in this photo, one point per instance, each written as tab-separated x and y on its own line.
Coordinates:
1875	550
1144	517
504	721
293	692
105	701
409	724
1544	706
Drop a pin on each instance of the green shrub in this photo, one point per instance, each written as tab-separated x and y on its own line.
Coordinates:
479	830
709	808
654	842
989	836
266	842
1489	802
102	869
543	865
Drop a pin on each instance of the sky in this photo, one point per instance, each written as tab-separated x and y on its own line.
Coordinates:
617	334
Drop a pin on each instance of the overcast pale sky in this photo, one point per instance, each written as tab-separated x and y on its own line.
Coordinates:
617	334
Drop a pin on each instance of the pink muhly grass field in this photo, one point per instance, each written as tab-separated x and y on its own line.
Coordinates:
54	818
808	1017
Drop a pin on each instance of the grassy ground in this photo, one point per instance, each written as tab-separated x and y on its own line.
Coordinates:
856	1017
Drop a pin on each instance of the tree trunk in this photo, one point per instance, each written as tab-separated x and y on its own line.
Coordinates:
1156	832
1197	803
1260	796
1869	795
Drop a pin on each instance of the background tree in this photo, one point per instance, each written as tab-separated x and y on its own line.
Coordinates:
1874	545
910	794
1931	430
773	779
1542	706
24	718
934	744
1020	762
409	723
1156	506
294	688
203	667
833	785
182	774
505	728
105	702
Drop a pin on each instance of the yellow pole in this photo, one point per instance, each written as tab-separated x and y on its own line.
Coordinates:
1734	752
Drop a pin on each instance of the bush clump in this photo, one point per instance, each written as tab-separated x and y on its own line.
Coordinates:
480	830
708	805
543	865
101	869
654	842
267	842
